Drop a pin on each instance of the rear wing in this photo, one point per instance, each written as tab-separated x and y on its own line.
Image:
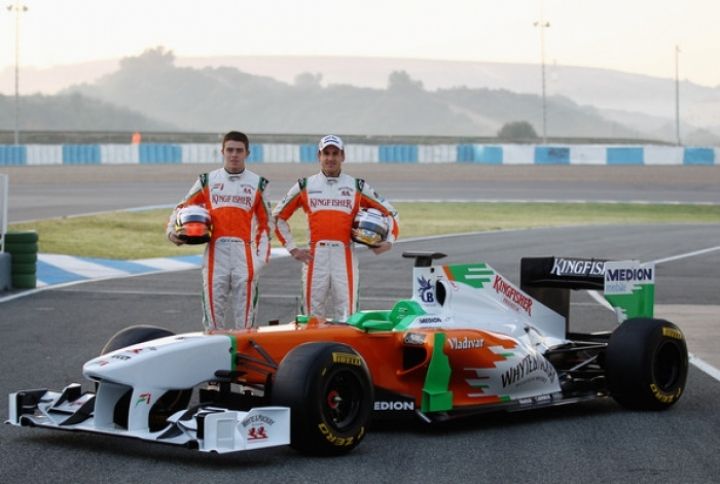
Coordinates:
628	286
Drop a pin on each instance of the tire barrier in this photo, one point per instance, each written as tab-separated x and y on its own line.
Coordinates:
488	154
20	258
23	250
5	277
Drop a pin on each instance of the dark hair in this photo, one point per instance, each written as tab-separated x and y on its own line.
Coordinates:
236	136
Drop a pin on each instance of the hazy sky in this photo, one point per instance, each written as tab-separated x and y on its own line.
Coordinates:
636	36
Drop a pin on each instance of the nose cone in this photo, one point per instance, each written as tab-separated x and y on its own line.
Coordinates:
174	362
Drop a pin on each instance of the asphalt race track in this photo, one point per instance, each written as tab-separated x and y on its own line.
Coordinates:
48	336
38	192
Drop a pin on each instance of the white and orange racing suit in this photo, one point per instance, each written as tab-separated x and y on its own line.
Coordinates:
239	246
330	280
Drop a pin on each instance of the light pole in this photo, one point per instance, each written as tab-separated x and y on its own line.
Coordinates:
677	95
18	9
542	25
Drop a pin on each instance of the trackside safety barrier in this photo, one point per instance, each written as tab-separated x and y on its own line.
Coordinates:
23	250
497	154
81	154
158	153
13	155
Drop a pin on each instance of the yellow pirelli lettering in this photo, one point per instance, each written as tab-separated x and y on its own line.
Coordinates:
334	439
664	396
347	358
672	332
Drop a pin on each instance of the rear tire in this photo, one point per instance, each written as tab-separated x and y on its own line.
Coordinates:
170	402
647	364
329	391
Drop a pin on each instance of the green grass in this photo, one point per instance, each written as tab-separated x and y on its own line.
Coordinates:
139	235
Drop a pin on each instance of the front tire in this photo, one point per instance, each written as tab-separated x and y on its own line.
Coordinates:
647	364
170	402
134	335
329	391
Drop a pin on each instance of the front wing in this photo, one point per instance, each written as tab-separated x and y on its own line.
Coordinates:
205	428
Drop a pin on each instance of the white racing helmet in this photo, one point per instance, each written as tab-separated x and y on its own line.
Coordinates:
369	227
193	224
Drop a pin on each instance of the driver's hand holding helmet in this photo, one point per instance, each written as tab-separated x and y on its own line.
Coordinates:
370	228
192	226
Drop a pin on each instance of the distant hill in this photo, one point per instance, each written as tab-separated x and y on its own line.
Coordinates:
220	98
601	88
626	98
70	112
368	96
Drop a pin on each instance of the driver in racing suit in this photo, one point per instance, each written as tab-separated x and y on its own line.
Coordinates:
330	200
239	246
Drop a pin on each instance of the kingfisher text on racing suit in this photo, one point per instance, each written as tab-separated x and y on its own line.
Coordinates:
330	279
239	246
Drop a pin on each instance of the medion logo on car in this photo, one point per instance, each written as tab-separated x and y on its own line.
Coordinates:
381	405
630	274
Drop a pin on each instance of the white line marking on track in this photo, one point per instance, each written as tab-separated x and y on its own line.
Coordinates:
686	255
705	367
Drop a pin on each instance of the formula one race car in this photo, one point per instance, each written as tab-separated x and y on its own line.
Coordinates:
467	341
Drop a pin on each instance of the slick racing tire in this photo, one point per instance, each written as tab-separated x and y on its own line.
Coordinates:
171	402
330	394
134	335
646	364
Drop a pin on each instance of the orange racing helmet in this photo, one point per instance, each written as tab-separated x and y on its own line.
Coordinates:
193	224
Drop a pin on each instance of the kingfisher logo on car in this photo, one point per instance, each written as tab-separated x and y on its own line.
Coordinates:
512	295
577	267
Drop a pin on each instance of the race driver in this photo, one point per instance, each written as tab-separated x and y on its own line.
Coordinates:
330	200
239	246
